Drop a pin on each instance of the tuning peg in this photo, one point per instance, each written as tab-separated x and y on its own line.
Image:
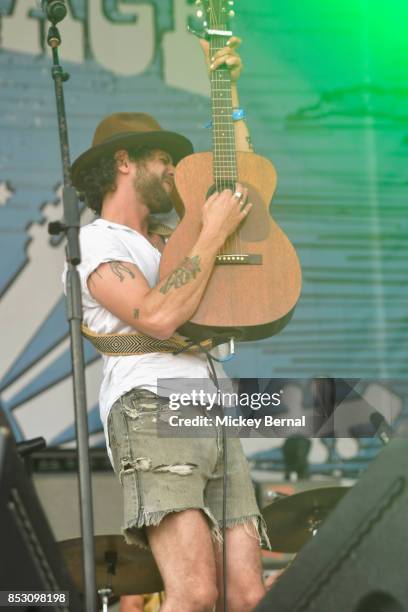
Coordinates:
230	2
231	13
199	13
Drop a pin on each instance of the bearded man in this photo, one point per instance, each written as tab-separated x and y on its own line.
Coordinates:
172	487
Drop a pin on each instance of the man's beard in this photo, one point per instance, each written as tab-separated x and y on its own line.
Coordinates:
152	193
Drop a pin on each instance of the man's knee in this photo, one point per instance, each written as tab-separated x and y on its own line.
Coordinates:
205	598
244	600
200	597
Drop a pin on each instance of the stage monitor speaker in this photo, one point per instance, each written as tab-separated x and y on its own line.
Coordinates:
57	488
358	560
29	557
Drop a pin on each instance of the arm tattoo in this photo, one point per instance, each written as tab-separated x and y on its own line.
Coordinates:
189	268
91	279
120	270
249	141
135	313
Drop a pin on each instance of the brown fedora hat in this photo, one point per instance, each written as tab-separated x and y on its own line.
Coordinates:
125	131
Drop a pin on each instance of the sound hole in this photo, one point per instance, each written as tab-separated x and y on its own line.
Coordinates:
213	188
255	228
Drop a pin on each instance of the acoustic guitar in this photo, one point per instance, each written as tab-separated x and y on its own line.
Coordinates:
256	280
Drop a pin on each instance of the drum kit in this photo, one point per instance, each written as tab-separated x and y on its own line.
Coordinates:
120	569
128	570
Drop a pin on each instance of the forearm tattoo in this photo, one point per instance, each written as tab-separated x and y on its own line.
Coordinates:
188	270
249	141
121	270
135	313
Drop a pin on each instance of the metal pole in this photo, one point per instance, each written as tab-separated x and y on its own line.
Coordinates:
70	227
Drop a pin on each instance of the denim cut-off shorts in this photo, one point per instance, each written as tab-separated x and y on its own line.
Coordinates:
160	475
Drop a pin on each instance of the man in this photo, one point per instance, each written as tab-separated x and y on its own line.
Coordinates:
172	486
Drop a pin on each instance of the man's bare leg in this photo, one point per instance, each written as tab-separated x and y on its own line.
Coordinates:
183	548
245	587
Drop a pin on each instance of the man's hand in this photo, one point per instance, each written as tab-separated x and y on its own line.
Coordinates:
227	55
223	212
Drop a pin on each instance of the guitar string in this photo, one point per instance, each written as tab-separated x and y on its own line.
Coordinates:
229	156
217	163
225	166
225	159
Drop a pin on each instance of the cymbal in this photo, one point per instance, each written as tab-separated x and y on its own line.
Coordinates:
292	520
136	571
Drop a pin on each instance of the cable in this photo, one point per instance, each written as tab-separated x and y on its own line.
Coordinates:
211	360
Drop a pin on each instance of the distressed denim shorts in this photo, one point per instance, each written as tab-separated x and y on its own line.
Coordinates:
160	475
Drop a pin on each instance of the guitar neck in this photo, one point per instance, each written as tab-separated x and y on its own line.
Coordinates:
224	150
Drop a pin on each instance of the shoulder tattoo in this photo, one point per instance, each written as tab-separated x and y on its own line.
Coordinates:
121	270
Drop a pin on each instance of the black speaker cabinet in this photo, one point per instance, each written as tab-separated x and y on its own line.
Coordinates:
29	557
358	561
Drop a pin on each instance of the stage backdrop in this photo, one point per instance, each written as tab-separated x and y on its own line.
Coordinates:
325	88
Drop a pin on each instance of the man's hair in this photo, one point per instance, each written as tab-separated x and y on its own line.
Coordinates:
100	179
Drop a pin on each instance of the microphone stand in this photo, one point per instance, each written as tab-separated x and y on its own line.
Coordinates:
70	227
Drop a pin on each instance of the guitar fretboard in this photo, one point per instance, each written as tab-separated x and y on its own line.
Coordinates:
225	163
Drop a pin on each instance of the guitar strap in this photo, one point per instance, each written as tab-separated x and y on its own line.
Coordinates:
136	343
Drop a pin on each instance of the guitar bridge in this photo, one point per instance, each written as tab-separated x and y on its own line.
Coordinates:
239	259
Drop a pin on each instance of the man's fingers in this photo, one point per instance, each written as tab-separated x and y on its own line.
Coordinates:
244	202
232	61
224	54
241	192
245	210
224	51
244	197
234	42
212	197
240	188
240	197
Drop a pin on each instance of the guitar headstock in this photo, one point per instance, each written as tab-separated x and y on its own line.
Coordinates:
211	15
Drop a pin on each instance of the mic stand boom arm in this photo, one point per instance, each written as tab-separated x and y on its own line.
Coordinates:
70	227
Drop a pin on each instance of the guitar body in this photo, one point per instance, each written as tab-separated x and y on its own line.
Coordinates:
247	301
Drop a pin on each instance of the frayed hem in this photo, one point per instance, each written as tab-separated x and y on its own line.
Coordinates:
134	532
133	538
255	527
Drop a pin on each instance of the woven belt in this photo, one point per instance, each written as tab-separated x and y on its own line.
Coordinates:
139	344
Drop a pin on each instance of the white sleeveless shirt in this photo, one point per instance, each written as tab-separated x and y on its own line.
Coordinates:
103	241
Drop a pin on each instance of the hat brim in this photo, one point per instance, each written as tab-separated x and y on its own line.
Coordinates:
176	145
